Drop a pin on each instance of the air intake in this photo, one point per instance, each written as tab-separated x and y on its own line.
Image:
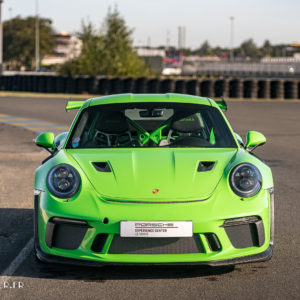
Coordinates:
245	232
99	242
213	241
102	166
205	166
65	233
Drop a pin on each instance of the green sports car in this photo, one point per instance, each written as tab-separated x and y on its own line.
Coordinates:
152	179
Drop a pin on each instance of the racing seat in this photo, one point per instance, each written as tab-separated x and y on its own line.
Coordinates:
112	129
188	130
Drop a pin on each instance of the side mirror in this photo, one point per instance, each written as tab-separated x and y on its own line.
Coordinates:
254	139
46	140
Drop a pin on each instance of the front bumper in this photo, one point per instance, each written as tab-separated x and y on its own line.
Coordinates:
225	251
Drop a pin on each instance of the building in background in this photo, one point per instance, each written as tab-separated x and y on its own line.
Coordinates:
67	47
291	59
153	57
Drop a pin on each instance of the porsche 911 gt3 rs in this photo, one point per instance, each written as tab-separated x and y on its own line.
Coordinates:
153	179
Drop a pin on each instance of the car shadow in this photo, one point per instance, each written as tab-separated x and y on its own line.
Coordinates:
16	227
30	267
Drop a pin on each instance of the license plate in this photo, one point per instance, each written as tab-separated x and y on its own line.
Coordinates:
156	228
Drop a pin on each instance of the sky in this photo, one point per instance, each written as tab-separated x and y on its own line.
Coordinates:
154	20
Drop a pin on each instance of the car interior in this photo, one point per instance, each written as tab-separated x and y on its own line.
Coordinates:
114	126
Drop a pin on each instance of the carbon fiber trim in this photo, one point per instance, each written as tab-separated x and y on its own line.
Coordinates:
260	257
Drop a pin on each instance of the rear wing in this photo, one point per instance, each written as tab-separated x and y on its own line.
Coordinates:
222	104
73	105
77	104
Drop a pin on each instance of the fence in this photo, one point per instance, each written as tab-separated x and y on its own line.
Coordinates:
229	87
239	69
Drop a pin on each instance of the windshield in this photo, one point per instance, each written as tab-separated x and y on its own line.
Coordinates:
130	125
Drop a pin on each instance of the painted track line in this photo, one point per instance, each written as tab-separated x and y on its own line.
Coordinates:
14	265
34	125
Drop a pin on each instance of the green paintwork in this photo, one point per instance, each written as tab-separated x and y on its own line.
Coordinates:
45	140
172	171
254	139
74	104
127	98
205	198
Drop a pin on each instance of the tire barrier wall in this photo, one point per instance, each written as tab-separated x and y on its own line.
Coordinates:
233	87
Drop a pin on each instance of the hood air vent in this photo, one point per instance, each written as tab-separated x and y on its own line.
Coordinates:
205	166
102	166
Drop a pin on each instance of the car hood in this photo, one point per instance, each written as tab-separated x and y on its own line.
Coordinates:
150	175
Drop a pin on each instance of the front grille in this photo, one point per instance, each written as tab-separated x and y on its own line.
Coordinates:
138	245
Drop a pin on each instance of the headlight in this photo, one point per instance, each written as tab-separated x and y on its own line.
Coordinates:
63	181
245	180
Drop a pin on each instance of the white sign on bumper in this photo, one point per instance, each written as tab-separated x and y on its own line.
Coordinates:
156	229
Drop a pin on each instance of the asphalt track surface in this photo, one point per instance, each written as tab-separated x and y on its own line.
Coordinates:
276	279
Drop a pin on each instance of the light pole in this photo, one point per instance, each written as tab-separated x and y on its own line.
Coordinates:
1	39
10	19
37	37
231	37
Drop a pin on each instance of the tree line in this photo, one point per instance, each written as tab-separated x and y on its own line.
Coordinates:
107	50
247	50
